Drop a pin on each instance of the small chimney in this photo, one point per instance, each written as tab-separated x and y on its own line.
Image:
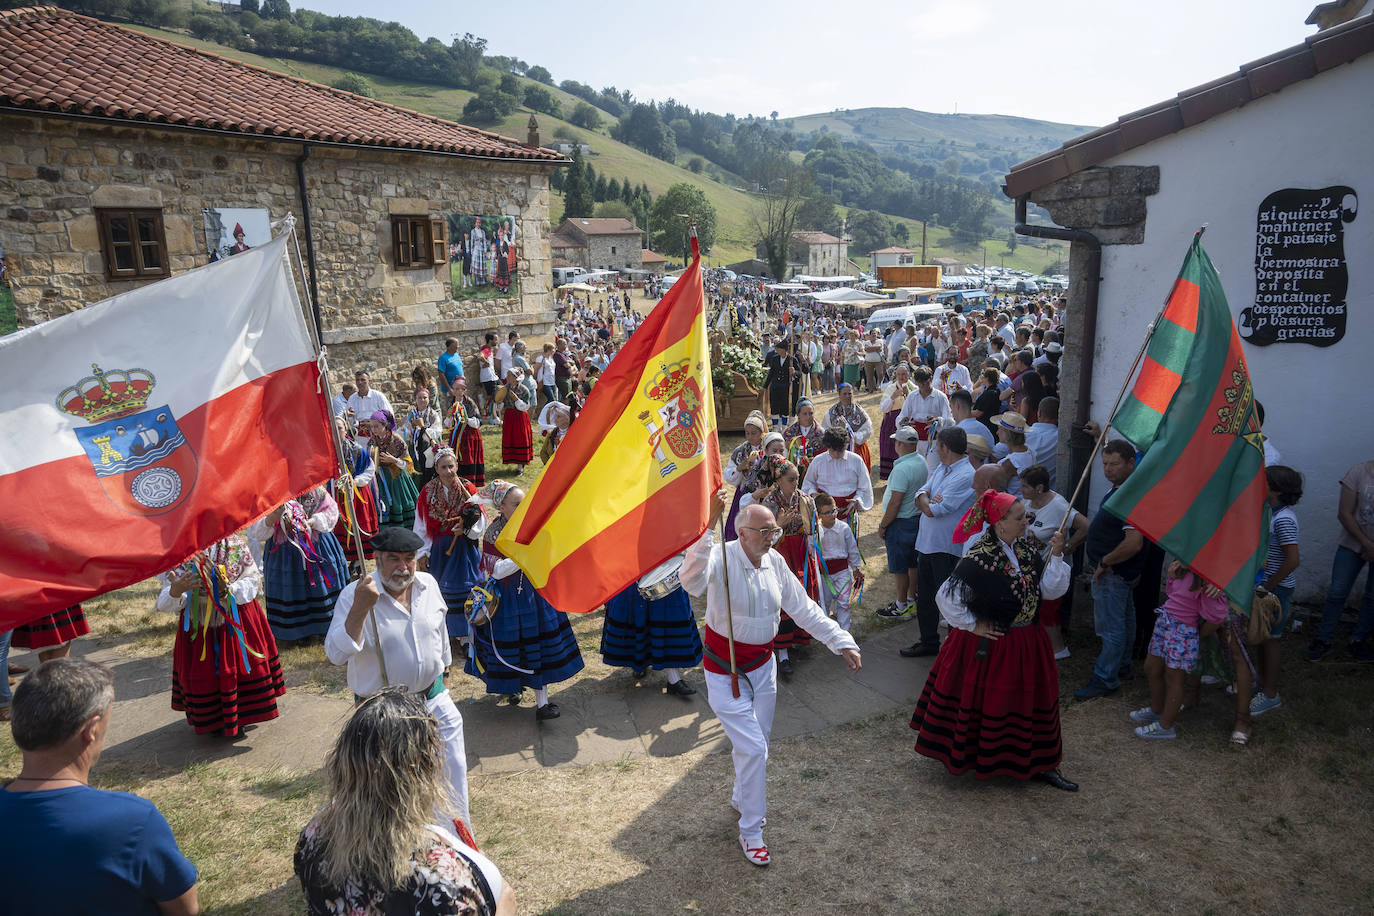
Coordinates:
532	138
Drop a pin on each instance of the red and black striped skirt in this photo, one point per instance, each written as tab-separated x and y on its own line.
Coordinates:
57	629
218	692
998	716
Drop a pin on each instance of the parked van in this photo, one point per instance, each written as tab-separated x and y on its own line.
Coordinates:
913	314
563	275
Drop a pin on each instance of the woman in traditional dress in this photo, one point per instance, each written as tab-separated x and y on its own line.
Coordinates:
354	490
554	421
991	703
225	669
659	633
451	528
739	470
502	260
303	565
52	636
804	436
894	396
465	435
854	418
524	642
794	511
517	435
423	430
395	478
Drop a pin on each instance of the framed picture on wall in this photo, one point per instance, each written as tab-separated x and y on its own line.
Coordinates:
482	256
230	230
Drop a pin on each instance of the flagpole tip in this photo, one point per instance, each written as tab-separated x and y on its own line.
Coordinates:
1200	231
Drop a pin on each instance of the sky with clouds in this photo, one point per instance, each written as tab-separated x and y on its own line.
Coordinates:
1076	61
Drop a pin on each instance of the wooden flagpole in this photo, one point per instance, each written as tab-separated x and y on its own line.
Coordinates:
345	471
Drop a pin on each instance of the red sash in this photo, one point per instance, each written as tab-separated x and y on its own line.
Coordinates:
747	655
839	564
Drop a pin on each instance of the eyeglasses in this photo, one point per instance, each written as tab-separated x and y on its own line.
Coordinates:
770	531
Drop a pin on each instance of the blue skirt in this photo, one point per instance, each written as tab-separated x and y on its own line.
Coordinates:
456	573
650	634
300	596
527	633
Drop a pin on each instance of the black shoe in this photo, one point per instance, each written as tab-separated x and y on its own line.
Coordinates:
640	673
1056	779
547	711
785	667
681	689
920	650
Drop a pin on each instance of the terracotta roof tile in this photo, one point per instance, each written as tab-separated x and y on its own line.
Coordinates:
815	238
57	61
1328	48
615	225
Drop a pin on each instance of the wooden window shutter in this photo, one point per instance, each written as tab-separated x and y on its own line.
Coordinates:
400	239
438	241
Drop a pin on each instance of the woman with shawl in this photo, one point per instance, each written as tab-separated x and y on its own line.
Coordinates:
517	435
303	565
804	436
465	435
991	703
522	642
738	471
451	526
894	396
225	669
854	418
354	491
395	475
794	511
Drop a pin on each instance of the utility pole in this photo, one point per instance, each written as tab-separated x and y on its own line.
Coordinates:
985	258
923	242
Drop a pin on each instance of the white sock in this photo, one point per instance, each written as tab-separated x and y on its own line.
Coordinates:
674	675
541	696
782	655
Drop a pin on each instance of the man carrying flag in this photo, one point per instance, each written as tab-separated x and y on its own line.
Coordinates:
746	584
1199	491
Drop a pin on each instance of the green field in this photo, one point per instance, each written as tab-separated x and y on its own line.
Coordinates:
7	317
734	231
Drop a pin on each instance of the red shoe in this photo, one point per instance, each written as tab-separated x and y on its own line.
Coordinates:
756	854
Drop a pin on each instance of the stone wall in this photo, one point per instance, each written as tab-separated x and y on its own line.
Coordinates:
54	172
1109	202
627	252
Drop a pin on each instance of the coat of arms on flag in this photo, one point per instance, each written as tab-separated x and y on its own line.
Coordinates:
143	462
677	420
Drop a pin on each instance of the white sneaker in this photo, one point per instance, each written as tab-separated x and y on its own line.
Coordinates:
1211	680
1155	731
1143	716
756	851
1061	654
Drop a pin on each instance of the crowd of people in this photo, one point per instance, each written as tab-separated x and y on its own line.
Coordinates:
979	542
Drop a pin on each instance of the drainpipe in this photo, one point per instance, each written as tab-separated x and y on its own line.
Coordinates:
309	242
1080	443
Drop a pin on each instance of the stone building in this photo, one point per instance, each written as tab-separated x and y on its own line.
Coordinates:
112	143
1283	140
892	257
653	262
599	244
816	254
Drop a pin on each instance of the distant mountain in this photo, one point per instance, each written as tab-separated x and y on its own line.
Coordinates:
998	140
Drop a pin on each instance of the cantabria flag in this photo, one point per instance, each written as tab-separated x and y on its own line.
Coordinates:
144	428
630	485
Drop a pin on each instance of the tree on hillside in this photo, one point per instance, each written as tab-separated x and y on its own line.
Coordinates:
818	212
584	115
276	9
358	85
643	128
248	6
775	216
540	74
669	226
613	209
467	53
577	196
497	96
901	233
869	231
537	98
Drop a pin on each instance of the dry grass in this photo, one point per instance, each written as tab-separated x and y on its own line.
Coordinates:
857	821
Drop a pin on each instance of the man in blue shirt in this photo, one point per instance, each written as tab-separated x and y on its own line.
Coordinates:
450	369
944	499
68	848
901	521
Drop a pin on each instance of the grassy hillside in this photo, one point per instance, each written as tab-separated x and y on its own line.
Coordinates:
734	232
891	128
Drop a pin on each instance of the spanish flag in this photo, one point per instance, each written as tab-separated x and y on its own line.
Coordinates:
630	484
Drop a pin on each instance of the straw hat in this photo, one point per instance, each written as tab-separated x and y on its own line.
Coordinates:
977	445
1012	421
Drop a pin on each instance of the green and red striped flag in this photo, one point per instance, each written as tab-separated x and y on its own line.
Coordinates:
1199	491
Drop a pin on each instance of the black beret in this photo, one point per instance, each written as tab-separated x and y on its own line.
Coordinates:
397	540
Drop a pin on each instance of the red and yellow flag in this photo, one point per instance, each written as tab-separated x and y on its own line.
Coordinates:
630	484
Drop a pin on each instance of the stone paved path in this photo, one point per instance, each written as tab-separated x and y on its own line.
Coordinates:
604	719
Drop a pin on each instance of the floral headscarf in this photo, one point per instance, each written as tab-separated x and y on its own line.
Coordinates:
990	508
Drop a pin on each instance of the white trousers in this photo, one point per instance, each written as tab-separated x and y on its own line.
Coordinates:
455	752
748	721
838	604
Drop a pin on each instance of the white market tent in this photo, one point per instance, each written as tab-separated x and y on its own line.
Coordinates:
831	281
576	288
787	288
848	296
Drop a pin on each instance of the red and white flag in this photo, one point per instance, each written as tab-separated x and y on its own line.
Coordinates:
140	430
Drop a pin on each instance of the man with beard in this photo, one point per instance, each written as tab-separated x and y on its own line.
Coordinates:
409	623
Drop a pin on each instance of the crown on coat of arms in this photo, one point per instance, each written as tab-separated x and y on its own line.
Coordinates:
669	381
104	395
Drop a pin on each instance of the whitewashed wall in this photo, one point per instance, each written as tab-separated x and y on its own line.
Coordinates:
1319	401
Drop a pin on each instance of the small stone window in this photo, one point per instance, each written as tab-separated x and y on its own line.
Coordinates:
134	244
419	241
612	249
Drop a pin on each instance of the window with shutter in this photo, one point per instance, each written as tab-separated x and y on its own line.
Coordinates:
134	244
